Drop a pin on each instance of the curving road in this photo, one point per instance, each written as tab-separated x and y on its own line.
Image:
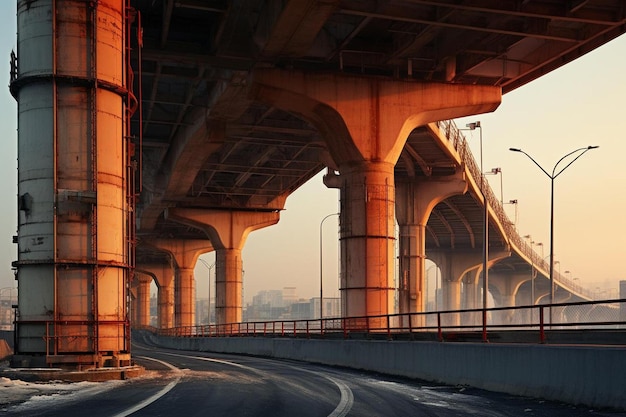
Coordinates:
181	383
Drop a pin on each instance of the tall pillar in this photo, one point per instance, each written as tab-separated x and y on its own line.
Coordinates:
414	203
185	253
471	296
227	230
454	265
365	122
143	300
163	275
74	246
185	292
470	289
507	286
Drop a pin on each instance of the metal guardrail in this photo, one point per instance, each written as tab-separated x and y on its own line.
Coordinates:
459	143
446	325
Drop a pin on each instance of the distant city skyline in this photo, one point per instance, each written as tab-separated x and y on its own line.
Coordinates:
577	105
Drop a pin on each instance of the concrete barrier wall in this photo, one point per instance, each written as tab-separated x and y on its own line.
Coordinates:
593	376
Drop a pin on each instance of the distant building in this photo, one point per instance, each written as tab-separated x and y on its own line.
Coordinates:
290	295
332	307
273	298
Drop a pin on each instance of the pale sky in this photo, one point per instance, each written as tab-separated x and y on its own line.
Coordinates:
578	105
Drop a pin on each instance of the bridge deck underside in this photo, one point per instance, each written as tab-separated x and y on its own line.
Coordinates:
206	144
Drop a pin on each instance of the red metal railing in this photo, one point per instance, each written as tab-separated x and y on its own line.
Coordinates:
441	325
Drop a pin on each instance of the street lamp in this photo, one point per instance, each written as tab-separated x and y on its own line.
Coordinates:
473	126
540	244
552	178
321	270
496	171
209	267
514	202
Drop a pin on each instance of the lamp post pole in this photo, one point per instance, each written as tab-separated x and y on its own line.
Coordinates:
496	171
514	202
322	271
552	178
532	273
473	126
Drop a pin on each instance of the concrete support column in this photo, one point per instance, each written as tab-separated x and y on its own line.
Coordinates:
367	239
228	286
163	275
471	293
185	302
471	296
165	309
506	288
454	266
365	122
227	230
414	203
185	253
143	300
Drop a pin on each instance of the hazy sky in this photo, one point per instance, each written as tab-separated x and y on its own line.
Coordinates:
580	104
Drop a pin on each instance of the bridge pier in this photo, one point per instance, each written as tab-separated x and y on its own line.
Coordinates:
471	295
185	254
414	204
454	265
141	306
365	122
227	230
163	275
507	286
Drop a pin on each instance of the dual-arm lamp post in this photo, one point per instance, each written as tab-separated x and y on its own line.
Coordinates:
552	177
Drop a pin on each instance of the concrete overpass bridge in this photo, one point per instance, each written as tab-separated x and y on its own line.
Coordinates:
222	109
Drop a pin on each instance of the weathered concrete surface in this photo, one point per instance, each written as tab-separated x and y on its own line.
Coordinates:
590	375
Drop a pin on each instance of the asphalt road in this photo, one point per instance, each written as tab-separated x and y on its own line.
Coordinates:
182	383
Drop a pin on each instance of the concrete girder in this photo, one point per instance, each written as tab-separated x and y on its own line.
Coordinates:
348	109
228	230
190	148
297	27
414	204
365	122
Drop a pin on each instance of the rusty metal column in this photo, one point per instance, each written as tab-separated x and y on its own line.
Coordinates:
73	254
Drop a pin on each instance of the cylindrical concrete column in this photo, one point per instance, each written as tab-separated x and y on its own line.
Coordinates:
367	239
73	251
185	309
228	286
166	306
143	301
